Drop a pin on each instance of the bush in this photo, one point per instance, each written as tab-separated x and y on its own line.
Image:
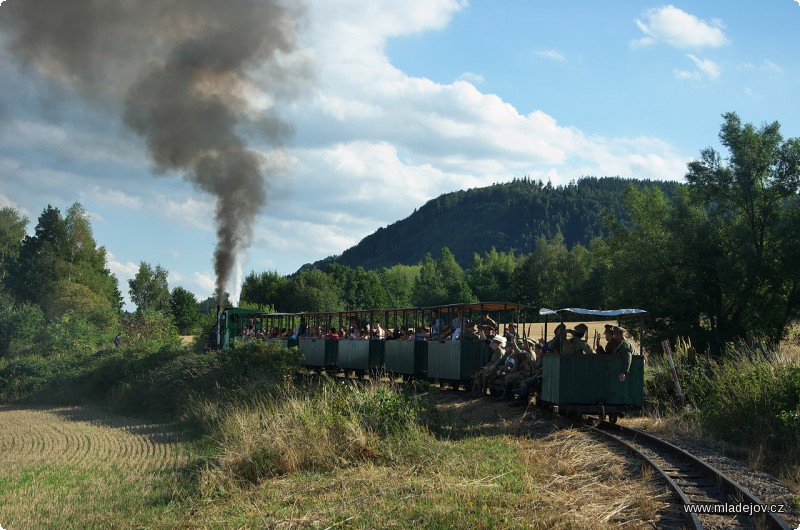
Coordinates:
749	397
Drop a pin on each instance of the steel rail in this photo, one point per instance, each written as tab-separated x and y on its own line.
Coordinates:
725	484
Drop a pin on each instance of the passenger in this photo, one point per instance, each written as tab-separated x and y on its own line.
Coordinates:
624	350
378	332
577	343
302	329
511	332
459	324
472	333
556	344
609	336
332	334
487	323
437	325
418	335
532	383
522	369
482	375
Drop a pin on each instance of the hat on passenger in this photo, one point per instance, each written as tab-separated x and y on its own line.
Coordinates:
619	329
581	329
609	327
500	339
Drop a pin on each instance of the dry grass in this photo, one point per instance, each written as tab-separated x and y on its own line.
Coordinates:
487	467
78	467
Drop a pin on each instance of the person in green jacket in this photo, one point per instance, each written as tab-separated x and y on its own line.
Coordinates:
624	350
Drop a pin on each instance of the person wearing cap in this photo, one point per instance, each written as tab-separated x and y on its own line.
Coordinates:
559	342
521	370
610	344
482	377
578	344
487	323
624	351
533	382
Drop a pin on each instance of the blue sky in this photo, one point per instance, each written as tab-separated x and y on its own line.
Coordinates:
408	100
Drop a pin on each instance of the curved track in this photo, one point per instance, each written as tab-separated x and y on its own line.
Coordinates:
694	483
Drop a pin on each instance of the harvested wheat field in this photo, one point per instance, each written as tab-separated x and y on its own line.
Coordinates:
81	467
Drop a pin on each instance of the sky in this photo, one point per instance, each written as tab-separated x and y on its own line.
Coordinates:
390	104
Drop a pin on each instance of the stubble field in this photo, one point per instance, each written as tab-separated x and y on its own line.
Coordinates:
64	467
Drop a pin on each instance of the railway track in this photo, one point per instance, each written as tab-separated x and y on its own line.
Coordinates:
717	500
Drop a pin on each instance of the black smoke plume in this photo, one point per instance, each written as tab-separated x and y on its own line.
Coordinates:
183	74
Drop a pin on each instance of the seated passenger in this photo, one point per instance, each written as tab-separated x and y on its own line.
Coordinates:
556	344
487	323
378	332
332	334
610	344
577	343
437	326
472	333
418	335
522	369
532	383
459	324
485	374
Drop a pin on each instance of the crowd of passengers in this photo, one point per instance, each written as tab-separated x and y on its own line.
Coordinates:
515	364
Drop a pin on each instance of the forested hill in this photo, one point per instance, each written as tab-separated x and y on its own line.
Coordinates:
504	216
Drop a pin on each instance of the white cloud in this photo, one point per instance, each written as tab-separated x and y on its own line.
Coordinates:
112	198
188	212
679	29
709	68
471	77
554	55
202	285
706	69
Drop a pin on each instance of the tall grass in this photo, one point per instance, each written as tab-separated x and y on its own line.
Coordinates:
320	428
750	397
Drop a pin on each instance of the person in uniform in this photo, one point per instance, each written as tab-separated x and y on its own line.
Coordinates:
609	336
624	350
522	369
532	383
558	344
578	344
481	379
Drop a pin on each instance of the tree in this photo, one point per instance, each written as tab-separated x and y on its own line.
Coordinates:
149	289
62	253
541	278
429	289
398	282
361	289
751	196
12	233
490	276
313	290
266	288
183	306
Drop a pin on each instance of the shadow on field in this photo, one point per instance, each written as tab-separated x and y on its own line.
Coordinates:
155	433
460	416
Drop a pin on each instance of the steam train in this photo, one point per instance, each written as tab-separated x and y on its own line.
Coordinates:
572	384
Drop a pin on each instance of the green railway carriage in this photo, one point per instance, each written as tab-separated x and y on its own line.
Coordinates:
361	355
319	353
589	384
406	358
